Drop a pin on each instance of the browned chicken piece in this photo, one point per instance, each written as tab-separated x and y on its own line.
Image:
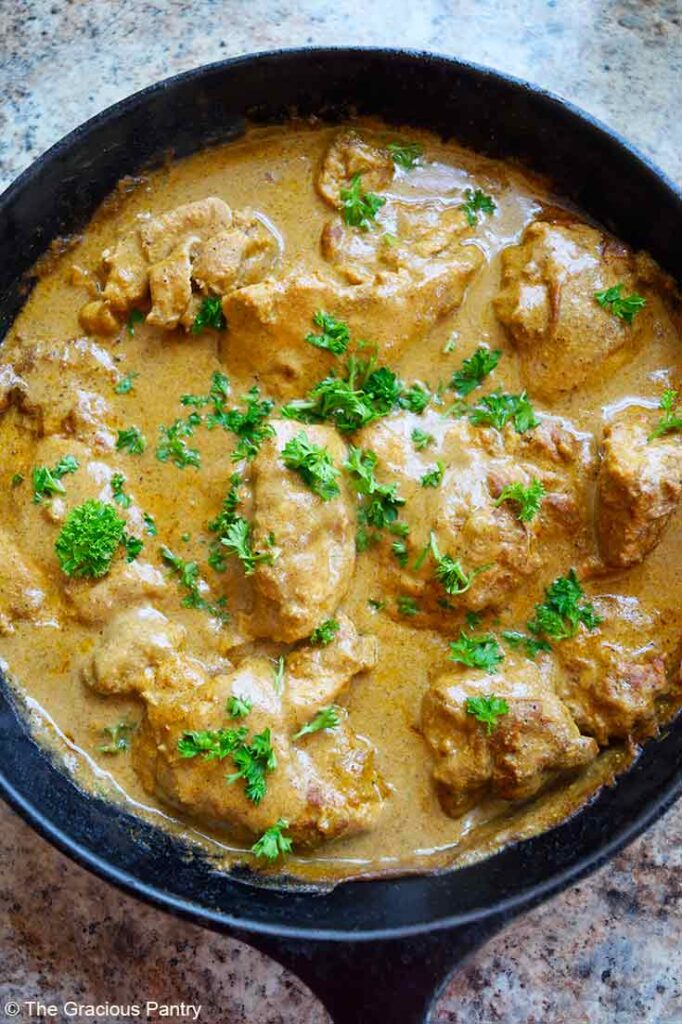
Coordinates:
640	482
349	154
313	539
528	747
612	675
175	260
59	385
22	590
419	241
495	551
269	321
324	784
547	303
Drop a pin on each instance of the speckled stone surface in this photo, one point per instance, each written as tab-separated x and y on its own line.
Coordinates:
607	951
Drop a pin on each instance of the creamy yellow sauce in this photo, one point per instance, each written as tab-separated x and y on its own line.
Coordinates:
272	170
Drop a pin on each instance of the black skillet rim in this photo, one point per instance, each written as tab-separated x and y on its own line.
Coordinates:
547	844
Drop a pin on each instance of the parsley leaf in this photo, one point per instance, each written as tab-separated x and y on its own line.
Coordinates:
563	610
671	419
118	482
187	574
449	571
323	634
434	477
474	370
236	538
498	409
211	744
248	424
131	440
133	546
406	154
359	208
47	482
125	384
407	606
531	645
238	707
118	737
421	439
88	540
335	337
527	499
17	480
149	524
399	549
174	448
476	202
273	843
381	504
135	316
326	718
476	651
487	710
624	307
210	315
252	761
314	465
415	398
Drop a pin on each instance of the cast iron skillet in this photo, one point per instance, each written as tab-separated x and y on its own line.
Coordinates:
373	950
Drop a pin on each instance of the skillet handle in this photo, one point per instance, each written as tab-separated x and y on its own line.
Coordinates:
392	981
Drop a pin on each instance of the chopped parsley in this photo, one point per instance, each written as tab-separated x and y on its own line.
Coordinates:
421	440
314	465
335	336
187	574
487	710
131	440
323	634
210	315
47	482
375	605
527	499
405	154
238	707
530	644
218	394
400	552
381	502
273	843
118	482
117	737
474	370
563	610
499	408
434	477
449	571
125	384
477	651
133	546
624	307
407	606
248	424
236	539
415	398
358	208
16	480
89	538
671	419
136	316
174	448
326	718
475	202
149	524
253	759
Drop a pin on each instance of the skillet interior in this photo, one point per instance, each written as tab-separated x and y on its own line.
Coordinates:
485	112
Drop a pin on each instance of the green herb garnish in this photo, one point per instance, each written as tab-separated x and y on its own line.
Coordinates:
89	538
476	202
118	737
530	644
273	843
118	482
407	606
406	154
474	370
421	439
136	316
327	718
527	499
323	634
187	574
623	307
358	208
149	524
236	539
434	477
671	419
487	710
238	707
313	464
498	409
174	448
476	651
47	482
131	440
562	612
126	383
449	571
210	315
335	336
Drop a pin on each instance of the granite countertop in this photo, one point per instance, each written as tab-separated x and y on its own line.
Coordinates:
606	950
